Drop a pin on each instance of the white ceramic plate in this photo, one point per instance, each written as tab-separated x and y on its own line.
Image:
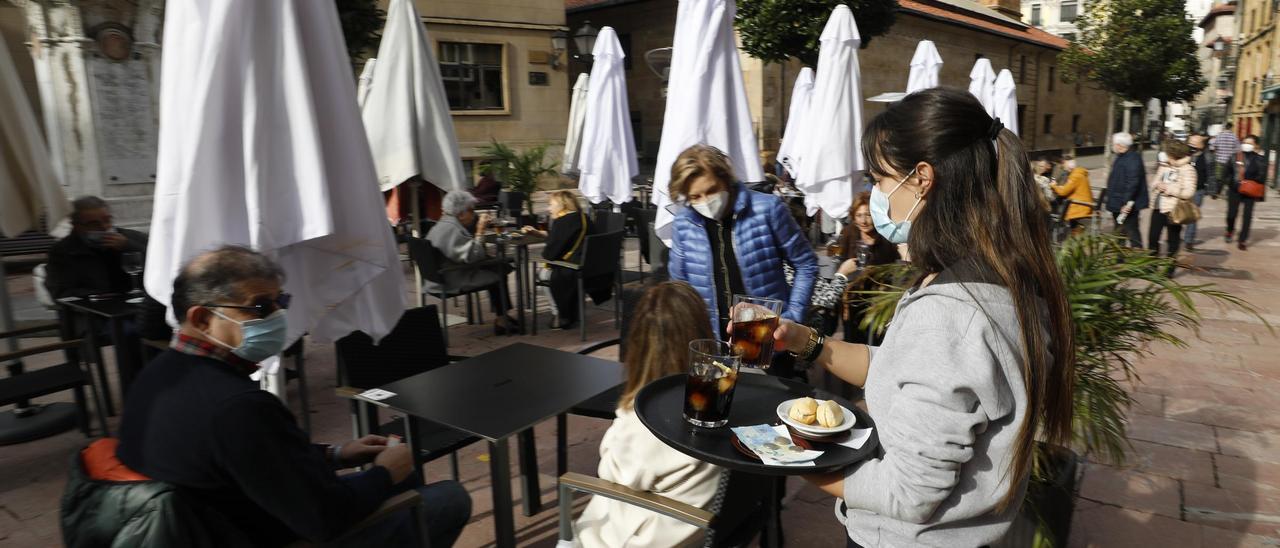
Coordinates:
784	410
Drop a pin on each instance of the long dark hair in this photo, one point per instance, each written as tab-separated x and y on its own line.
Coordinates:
985	210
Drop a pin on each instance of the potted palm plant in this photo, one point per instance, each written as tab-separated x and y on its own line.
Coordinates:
1121	302
519	171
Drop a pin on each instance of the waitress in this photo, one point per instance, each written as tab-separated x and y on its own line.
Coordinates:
977	363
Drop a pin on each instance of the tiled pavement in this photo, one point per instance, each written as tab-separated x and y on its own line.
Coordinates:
1204	470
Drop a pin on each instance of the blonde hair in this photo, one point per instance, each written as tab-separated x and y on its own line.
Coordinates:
668	316
699	161
565	199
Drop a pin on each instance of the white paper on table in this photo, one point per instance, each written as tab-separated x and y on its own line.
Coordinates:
857	437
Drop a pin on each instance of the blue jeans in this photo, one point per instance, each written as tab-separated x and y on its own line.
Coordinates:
1189	237
447	507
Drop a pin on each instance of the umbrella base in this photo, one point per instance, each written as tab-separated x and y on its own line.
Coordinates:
51	419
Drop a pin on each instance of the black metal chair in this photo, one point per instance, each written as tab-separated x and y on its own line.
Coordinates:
71	375
435	268
414	346
511	202
601	256
610	221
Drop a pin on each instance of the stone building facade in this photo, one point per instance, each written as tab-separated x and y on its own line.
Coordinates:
1217	56
1255	81
1055	116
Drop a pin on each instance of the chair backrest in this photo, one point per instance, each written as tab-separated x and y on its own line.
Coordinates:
511	201
610	221
415	345
739	508
427	257
657	252
601	254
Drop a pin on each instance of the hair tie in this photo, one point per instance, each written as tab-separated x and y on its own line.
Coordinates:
994	132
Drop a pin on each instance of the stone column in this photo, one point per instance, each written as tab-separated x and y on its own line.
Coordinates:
98	68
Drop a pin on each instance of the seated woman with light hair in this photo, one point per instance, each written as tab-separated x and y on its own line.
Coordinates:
457	237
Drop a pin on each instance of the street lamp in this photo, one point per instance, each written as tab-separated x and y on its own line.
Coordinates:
585	39
559	41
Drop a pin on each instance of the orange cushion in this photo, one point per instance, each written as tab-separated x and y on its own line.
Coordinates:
101	464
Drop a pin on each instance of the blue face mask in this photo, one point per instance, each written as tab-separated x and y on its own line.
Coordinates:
260	338
894	232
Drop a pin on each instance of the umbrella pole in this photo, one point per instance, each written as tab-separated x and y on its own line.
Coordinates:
416	218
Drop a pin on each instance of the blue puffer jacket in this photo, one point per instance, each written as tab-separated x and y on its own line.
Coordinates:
764	236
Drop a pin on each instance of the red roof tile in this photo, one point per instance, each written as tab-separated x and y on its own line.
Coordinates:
970	19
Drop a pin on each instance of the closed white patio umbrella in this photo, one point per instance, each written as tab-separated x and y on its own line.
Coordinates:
406	113
922	73
577	117
29	187
831	153
982	83
925	65
608	154
365	80
1005	101
801	96
706	99
261	145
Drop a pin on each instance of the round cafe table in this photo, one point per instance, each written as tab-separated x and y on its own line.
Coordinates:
660	407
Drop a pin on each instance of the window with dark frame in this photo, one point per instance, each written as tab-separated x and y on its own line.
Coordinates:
1022	69
1022	116
1075	123
1048	124
1053	77
473	76
1068	11
1035	15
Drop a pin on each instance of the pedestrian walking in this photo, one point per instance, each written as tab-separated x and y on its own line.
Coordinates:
1202	164
1127	187
1251	166
1225	146
1075	188
1172	182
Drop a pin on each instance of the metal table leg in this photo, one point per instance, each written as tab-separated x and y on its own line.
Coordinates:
125	368
520	295
771	537
504	523
95	349
528	452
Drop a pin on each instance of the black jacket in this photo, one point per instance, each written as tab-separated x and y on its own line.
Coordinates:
77	269
1255	169
198	423
1201	164
1127	182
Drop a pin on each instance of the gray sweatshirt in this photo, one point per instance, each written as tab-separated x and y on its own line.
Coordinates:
946	391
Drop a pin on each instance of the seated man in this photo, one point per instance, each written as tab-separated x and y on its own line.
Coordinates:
457	237
196	420
87	261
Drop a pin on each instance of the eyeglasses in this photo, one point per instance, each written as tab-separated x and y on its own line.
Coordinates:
261	307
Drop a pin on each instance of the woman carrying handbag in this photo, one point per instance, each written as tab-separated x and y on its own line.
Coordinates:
1173	183
1251	169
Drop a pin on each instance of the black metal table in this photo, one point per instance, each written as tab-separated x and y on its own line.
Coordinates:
525	279
500	394
114	311
660	407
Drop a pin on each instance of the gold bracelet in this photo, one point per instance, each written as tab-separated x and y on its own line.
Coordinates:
812	342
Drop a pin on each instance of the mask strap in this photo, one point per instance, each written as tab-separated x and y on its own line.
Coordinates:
217	340
900	183
913	209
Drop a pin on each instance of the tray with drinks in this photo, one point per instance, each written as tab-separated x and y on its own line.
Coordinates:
695	414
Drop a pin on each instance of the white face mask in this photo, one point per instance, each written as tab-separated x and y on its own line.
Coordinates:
712	206
1247	147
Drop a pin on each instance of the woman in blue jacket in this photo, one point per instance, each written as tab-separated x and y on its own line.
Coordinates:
731	240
